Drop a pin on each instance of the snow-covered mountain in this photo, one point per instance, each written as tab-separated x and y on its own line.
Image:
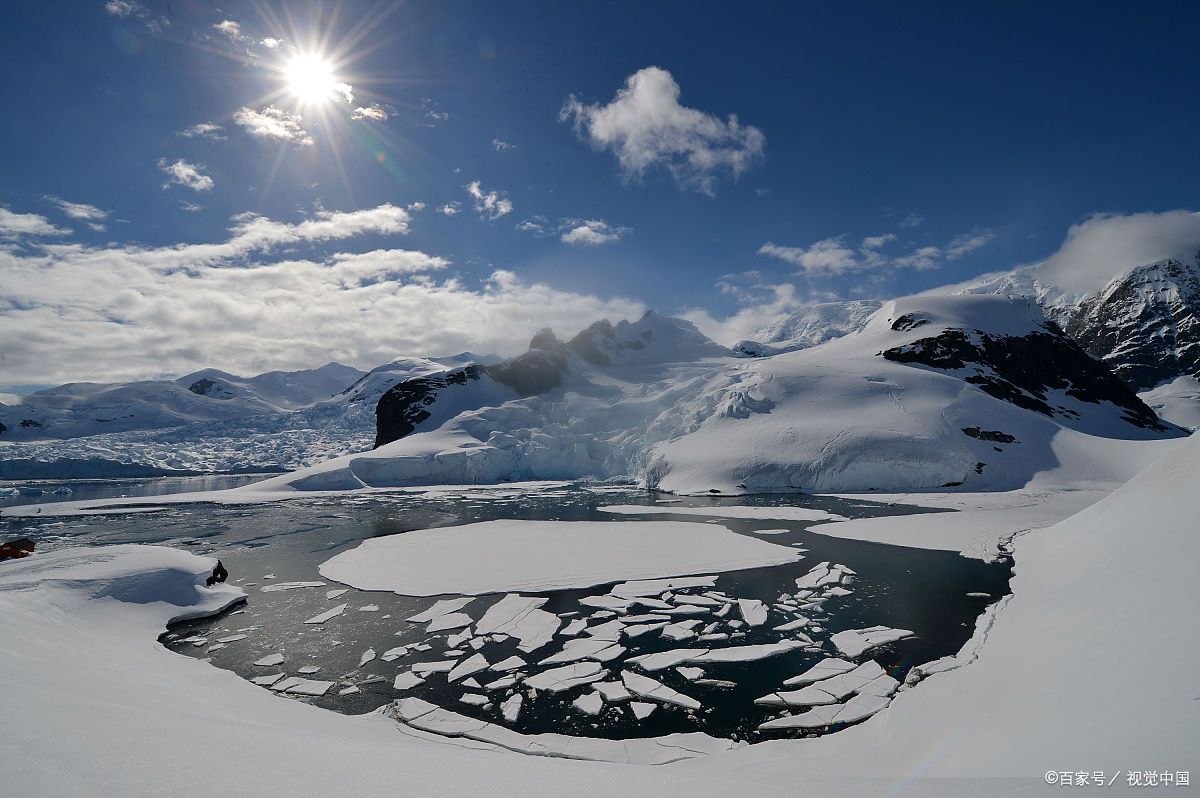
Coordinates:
1145	323
85	408
809	326
932	392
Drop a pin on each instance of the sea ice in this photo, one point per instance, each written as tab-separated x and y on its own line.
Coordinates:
822	670
815	718
510	664
278	587
437	666
473	699
269	660
645	687
267	681
366	657
558	679
585	648
231	638
369	608
332	594
451	620
612	692
308	670
440	608
854	642
311	687
325	616
569	554
642	709
590	703
469	666
394	653
407	681
520	617
753	612
511	708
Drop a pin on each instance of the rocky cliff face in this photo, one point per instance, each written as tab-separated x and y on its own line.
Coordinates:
1146	324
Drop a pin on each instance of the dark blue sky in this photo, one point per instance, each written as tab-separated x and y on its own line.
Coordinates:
997	124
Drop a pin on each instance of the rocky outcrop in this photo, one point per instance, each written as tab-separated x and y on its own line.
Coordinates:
1023	370
538	370
406	404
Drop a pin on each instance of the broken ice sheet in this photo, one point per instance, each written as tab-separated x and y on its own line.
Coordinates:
642	710
278	587
854	642
511	708
407	681
645	687
440	608
269	660
366	657
468	667
589	703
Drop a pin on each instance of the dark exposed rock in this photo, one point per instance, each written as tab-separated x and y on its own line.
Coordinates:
201	386
536	371
988	435
2	427
405	404
29	423
909	321
1021	369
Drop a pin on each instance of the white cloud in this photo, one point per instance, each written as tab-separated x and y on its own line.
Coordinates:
912	220
185	174
450	208
501	146
645	126
231	29
489	205
433	117
830	255
121	312
190	207
965	244
759	305
415	206
536	225
833	256
592	232
271	43
577	232
374	112
1105	246
205	130
875	242
134	10
273	123
16	225
89	214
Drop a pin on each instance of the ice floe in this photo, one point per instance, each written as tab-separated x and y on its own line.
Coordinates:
407	681
269	660
519	617
645	687
854	642
468	667
569	554
589	703
556	680
278	587
328	614
366	657
822	670
748	512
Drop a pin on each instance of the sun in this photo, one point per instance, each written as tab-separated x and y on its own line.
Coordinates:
310	79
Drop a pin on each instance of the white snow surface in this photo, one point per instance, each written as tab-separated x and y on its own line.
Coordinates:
516	555
1177	401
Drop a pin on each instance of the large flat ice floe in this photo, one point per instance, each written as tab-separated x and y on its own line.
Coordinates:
742	512
516	555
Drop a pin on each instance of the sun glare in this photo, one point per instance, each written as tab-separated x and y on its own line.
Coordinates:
310	79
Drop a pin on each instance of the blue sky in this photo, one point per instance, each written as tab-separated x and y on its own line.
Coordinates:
879	149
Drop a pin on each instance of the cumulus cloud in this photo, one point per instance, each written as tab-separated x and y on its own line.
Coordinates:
646	126
17	225
185	174
759	304
120	312
833	256
592	232
205	130
1105	246
271	43
273	123
489	205
375	112
450	208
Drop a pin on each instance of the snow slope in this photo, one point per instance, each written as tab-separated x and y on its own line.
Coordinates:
842	416
83	408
